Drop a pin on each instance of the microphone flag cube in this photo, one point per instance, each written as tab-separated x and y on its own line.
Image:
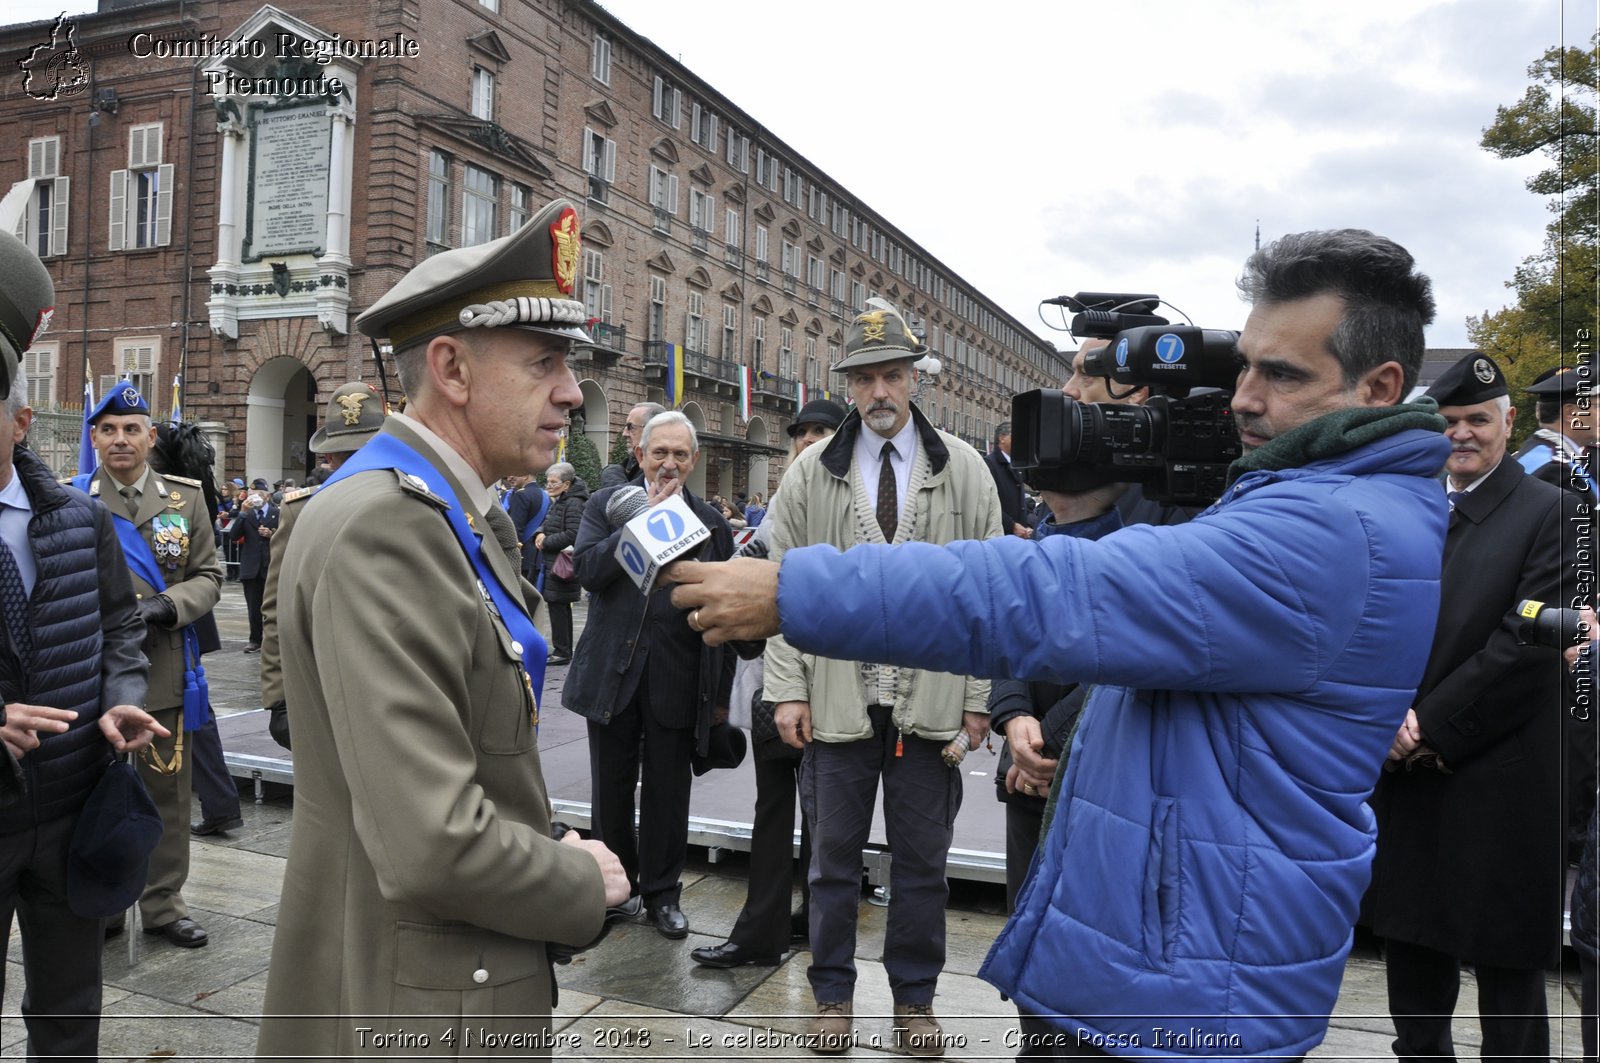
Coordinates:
657	537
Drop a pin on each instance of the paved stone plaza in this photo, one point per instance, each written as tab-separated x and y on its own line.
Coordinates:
637	996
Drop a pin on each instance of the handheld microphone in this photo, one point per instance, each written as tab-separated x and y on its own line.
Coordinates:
626	504
655	536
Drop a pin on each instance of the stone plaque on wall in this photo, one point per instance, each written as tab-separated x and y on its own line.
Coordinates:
288	192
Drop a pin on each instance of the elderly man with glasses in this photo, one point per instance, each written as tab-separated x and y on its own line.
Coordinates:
628	469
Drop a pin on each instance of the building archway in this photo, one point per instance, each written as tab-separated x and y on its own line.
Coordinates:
596	415
280	417
697	417
757	478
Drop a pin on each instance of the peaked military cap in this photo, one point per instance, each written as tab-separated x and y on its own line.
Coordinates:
120	400
523	281
354	415
877	335
27	302
1568	381
1472	380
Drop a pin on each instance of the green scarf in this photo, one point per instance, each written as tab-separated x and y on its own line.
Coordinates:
1337	433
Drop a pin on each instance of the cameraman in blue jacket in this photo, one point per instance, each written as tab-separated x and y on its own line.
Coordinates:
1195	893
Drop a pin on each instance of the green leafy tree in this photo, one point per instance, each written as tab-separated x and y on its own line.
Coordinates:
619	449
585	459
1557	288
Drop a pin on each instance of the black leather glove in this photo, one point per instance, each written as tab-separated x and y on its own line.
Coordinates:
158	611
278	723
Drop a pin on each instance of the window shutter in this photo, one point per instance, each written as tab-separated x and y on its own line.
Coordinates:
119	209
61	199
136	148
610	149
672	193
605	302
711	136
21	229
655	187
44	157
164	205
708	215
591	156
656	100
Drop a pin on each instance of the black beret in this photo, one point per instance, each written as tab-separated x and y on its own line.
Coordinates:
1470	381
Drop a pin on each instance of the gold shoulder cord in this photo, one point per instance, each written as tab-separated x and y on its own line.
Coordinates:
154	759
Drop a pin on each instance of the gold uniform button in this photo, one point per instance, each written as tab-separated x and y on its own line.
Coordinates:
480	976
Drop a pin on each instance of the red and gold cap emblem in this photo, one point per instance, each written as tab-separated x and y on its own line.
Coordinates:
564	249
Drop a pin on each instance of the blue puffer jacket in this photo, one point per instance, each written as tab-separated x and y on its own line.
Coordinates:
1196	891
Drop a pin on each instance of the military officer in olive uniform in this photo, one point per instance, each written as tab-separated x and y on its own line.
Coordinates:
177	581
354	415
422	881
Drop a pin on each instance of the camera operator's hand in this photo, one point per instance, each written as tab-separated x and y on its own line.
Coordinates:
1026	742
794	722
1592	628
1408	738
1083	505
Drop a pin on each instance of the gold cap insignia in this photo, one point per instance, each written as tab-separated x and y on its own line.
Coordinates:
873	325
564	244
350	407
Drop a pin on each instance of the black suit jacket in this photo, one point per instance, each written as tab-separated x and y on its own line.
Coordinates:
1009	483
254	553
1471	863
625	633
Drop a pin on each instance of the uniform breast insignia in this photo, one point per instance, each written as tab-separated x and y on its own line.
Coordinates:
170	540
533	701
175	501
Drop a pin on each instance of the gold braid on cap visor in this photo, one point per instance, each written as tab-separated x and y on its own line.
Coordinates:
520	302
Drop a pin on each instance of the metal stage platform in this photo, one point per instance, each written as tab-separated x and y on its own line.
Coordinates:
719	809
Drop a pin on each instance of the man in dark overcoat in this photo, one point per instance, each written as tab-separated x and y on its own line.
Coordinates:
1469	866
650	689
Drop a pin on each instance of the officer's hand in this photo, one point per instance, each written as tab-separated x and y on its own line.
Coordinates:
1408	738
1022	782
24	722
129	728
794	722
729	600
1026	742
158	611
611	873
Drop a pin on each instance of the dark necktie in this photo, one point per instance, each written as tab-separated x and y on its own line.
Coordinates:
505	533
130	496
1455	498
888	497
14	600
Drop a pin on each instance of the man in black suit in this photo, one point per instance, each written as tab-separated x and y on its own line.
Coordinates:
258	520
1008	481
1469	866
645	681
526	503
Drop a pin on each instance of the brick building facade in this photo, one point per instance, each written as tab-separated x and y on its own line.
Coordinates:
200	220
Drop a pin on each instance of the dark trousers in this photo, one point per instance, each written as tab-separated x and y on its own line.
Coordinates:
60	950
763	927
560	629
219	797
921	794
1588	1000
654	855
1423	984
1024	820
253	590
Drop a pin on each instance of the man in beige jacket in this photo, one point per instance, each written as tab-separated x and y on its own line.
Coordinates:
422	884
887	476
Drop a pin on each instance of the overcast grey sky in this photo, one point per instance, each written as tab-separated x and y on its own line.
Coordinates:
1050	147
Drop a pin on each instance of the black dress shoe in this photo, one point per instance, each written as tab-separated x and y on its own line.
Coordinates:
556	662
184	933
254	647
670	921
799	929
216	825
728	954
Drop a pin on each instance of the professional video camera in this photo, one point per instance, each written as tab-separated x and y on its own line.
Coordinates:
1178	445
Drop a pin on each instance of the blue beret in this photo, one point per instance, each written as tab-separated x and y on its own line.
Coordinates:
122	399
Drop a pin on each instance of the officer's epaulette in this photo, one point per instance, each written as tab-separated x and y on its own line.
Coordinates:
411	483
304	492
180	479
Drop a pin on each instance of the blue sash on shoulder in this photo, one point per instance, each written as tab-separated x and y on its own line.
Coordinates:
388	452
1542	455
142	560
